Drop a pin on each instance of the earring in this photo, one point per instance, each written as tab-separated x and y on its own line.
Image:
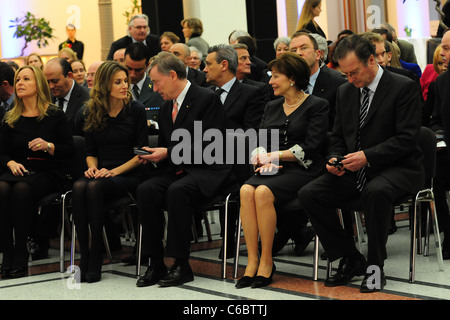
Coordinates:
292	84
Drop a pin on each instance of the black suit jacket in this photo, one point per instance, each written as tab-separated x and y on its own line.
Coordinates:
326	86
151	100
200	106
442	103
152	42
389	135
244	106
196	76
79	96
265	88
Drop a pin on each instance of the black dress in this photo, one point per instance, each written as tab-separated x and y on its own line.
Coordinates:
19	195
315	28
112	146
306	127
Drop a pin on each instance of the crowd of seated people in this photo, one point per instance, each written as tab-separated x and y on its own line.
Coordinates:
154	85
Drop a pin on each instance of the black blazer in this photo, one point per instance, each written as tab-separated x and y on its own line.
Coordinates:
79	96
389	137
196	76
442	103
200	104
244	106
151	100
326	86
265	88
152	42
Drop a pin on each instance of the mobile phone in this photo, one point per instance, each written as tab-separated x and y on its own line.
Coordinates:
141	152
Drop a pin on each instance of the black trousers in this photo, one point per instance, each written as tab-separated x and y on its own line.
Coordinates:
178	194
440	187
323	196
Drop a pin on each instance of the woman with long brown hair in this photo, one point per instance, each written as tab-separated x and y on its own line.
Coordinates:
114	125
311	10
35	139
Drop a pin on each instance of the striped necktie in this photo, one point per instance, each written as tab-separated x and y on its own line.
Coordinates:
174	110
361	174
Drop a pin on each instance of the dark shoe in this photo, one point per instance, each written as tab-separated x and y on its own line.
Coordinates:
261	281
244	282
38	249
6	272
18	272
92	277
279	242
347	269
302	240
177	276
369	285
151	276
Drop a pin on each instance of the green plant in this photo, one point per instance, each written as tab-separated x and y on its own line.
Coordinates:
31	28
136	8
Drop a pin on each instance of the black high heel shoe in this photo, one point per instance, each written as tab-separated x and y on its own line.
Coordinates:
261	281
244	282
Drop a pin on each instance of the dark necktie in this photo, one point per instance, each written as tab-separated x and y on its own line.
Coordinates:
361	174
219	91
136	91
61	103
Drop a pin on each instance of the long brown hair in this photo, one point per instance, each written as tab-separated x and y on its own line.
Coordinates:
98	104
42	95
307	16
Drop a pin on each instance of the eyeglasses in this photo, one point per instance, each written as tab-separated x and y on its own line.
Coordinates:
352	74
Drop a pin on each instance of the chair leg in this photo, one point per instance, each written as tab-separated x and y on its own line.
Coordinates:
316	259
238	244
412	254
139	251
72	247
437	236
225	239
207	226
426	245
105	240
61	235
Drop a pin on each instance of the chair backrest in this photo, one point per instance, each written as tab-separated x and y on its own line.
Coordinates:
77	165
241	165
428	144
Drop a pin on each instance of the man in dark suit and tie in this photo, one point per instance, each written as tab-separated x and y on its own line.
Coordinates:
182	52
378	117
138	31
66	93
243	104
324	81
244	69
6	88
179	184
137	60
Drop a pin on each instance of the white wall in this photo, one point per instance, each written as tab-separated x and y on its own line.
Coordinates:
85	12
219	17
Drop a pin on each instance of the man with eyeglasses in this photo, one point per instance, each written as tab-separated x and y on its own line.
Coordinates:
138	31
324	81
378	118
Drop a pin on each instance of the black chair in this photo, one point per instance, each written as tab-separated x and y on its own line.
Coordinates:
428	143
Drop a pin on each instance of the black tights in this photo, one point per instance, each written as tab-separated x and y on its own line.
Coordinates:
90	198
17	210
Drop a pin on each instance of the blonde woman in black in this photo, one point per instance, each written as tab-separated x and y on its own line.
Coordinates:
35	140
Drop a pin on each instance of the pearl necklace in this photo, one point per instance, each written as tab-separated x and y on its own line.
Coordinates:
298	103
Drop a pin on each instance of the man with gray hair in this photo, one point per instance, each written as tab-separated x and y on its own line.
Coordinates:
183	52
138	31
178	184
243	104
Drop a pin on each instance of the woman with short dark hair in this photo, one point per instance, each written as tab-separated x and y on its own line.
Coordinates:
300	123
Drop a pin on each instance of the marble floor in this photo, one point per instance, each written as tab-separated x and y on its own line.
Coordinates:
292	281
